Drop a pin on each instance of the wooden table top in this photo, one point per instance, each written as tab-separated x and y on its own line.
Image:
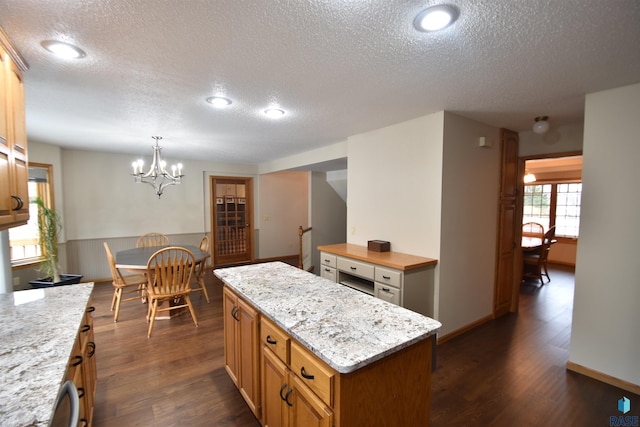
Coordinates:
137	258
397	260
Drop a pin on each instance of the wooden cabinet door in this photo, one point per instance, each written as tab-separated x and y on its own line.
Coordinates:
232	220
505	278
14	174
248	351
307	410
274	374
229	306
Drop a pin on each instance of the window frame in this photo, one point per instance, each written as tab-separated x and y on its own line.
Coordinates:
553	203
49	202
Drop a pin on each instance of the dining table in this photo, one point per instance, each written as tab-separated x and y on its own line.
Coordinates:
532	243
136	259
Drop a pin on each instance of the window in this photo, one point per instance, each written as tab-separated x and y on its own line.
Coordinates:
23	240
554	204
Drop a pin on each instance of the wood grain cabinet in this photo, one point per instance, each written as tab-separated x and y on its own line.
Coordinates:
297	388
82	368
14	196
241	347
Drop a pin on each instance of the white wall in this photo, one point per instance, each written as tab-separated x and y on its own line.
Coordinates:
101	199
606	311
284	206
559	139
395	186
470	189
328	216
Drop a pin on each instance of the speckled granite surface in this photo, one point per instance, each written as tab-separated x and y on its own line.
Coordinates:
38	328
344	327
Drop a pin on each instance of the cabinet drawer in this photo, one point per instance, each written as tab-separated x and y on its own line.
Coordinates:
314	373
355	268
327	259
328	273
275	339
388	293
389	277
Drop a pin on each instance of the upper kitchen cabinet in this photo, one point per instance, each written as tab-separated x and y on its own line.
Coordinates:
14	173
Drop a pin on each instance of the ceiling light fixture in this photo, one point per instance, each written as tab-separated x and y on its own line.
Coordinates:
62	49
219	101
435	18
541	125
529	177
274	113
157	175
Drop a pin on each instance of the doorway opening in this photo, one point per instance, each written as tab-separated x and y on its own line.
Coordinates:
232	220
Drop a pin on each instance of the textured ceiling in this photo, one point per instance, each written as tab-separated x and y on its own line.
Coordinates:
338	68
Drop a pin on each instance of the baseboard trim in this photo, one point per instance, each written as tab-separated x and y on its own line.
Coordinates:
467	328
608	379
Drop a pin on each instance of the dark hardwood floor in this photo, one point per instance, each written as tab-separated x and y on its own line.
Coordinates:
508	372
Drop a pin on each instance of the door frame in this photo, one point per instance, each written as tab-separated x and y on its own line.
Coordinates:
519	213
248	180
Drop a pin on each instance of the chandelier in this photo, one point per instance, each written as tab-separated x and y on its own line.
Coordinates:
157	175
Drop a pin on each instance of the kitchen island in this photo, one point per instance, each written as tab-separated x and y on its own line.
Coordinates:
371	360
39	332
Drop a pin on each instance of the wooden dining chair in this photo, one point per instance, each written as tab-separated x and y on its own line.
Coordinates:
124	285
534	261
533	229
169	273
197	283
549	240
152	239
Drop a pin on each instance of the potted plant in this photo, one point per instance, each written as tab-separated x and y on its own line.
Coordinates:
49	226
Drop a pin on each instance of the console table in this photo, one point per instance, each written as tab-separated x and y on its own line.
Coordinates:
402	279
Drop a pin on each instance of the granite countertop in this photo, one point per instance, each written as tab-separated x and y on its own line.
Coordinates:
344	327
38	330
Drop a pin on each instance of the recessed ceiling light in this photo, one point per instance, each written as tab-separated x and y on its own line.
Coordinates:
435	18
274	113
219	101
63	49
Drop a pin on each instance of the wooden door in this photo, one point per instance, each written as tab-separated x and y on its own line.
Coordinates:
249	349
229	305
275	411
506	280
232	220
307	409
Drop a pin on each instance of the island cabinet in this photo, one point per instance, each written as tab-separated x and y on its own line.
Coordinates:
328	355
401	279
14	197
297	388
241	348
82	371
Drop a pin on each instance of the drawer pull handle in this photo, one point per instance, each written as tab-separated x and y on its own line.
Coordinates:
386	277
91	309
20	202
305	375
84	422
328	270
86	328
327	260
386	289
286	397
282	389
271	340
80	392
353	268
79	360
93	348
234	311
